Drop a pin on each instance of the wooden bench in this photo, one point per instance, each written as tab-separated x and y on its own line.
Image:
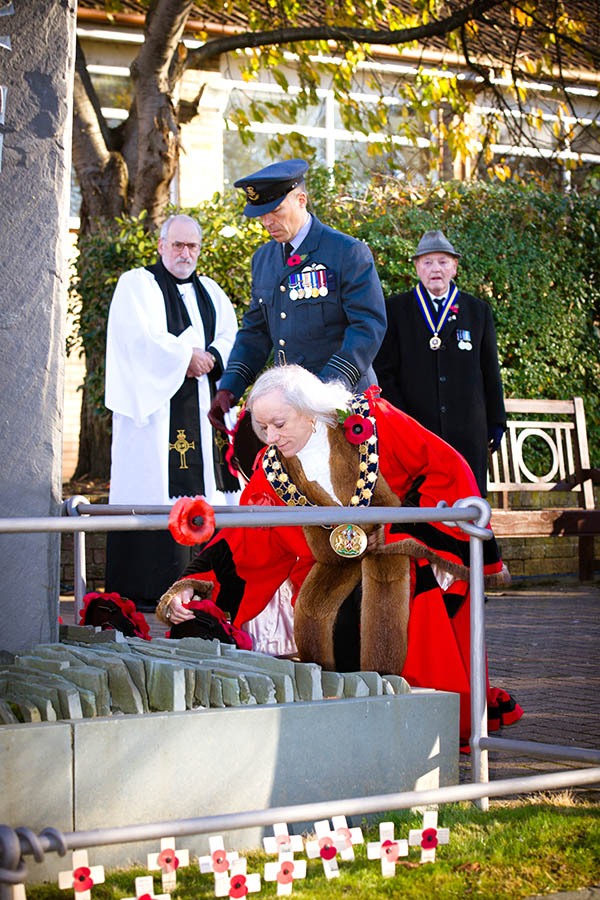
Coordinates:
565	435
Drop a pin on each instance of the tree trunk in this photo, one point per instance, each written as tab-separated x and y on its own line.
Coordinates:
94	442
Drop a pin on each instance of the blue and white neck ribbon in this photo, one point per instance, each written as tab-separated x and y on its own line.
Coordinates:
435	341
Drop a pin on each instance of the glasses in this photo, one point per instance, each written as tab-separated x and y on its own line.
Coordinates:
179	245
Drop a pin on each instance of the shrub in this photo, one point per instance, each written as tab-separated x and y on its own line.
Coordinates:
533	254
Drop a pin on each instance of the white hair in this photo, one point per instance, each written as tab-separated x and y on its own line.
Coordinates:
180	217
303	391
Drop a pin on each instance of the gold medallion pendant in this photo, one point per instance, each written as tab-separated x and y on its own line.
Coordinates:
348	540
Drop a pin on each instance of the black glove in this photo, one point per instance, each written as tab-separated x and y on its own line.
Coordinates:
495	433
222	403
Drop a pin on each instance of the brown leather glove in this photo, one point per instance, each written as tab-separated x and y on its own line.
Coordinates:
222	403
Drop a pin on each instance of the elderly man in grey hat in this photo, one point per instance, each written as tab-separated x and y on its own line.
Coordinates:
439	360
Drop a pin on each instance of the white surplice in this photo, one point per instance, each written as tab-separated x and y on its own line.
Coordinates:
145	367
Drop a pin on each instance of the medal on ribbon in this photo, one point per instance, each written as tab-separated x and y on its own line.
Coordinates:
322	280
292	282
464	340
346	540
435	342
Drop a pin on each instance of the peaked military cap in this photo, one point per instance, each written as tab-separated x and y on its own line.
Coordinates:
266	188
434	242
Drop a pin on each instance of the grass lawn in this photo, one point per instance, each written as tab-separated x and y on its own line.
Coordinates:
541	844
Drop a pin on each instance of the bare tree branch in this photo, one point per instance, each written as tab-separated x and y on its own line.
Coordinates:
437	28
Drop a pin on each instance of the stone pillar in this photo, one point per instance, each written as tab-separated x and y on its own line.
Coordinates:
37	53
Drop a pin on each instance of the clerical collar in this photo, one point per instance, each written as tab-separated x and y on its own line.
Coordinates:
187	280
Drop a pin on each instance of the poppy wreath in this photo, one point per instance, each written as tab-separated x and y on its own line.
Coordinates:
181	520
113	611
210	623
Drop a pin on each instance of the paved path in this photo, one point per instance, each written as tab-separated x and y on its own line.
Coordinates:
544	647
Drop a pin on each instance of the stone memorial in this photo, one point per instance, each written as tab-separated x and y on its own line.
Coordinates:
37	52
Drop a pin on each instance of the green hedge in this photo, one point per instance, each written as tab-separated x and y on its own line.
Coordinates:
535	255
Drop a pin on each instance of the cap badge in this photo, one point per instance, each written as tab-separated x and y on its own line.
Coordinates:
252	192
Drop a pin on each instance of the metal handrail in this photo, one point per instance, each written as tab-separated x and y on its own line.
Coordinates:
472	514
16	843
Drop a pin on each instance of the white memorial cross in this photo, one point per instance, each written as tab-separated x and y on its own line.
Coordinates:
238	884
282	841
429	836
345	837
81	877
326	846
144	890
285	871
219	861
169	861
387	849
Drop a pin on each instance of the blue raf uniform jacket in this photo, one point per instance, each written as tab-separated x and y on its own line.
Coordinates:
335	334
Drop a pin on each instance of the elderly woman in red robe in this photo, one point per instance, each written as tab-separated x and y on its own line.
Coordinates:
327	447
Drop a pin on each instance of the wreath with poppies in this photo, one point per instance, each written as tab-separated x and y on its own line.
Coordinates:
182	523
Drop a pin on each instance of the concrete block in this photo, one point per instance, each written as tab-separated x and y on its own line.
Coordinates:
94	680
28	710
72	702
202	687
7	716
123	692
87	634
39	791
308	681
332	684
373	682
136	668
165	682
297	744
262	687
355	686
198	645
230	688
45	665
45	698
398	684
216	693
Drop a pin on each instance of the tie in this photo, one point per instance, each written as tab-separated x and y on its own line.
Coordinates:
287	252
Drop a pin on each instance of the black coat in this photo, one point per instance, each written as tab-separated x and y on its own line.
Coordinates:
455	392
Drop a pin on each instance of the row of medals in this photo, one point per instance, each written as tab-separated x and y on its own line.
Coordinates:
436	342
308	283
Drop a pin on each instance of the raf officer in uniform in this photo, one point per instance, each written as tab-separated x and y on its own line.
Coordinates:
316	296
439	361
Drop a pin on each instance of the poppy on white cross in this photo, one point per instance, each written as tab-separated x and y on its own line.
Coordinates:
82	877
237	883
219	860
285	871
387	849
429	836
326	846
144	890
169	860
345	837
282	841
